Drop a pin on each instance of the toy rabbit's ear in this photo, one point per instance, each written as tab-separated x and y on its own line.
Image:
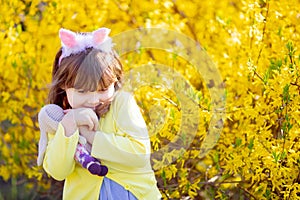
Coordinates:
68	38
100	35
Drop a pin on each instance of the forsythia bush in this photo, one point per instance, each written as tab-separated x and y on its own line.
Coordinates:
253	45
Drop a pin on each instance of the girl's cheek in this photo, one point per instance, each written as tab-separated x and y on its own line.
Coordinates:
103	97
108	95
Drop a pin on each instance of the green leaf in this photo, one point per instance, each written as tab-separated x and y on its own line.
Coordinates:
285	94
238	142
251	144
163	176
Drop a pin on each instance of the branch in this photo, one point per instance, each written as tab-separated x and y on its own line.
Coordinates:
246	191
264	32
255	73
182	14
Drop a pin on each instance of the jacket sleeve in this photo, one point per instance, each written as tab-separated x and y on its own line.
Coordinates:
129	145
59	157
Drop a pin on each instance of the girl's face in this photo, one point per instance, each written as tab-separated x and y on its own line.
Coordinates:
81	99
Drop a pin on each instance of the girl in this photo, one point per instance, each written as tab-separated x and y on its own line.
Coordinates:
86	78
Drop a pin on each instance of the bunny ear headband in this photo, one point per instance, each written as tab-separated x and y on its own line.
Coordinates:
73	43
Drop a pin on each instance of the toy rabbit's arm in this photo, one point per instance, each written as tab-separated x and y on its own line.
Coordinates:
42	147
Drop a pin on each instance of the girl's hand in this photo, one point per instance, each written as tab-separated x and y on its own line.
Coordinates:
79	117
87	134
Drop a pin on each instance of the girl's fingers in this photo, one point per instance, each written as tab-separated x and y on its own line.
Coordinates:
91	126
85	116
95	122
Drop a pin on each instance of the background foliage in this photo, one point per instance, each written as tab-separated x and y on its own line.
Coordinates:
253	44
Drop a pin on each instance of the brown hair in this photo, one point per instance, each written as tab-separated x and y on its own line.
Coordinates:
90	70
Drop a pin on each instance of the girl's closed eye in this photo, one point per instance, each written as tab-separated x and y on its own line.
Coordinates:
103	91
81	91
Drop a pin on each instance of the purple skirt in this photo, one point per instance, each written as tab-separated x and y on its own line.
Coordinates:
110	190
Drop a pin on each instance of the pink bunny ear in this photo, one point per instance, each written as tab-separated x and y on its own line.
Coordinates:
100	35
67	37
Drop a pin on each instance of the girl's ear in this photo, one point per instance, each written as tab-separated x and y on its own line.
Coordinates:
67	37
100	35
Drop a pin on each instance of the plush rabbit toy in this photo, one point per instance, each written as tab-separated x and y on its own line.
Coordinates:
49	117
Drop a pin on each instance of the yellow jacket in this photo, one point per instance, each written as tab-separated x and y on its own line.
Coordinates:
121	143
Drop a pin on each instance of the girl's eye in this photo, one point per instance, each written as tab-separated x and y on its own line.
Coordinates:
81	91
102	90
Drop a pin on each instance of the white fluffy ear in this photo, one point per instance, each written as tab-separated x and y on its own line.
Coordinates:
100	35
67	37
